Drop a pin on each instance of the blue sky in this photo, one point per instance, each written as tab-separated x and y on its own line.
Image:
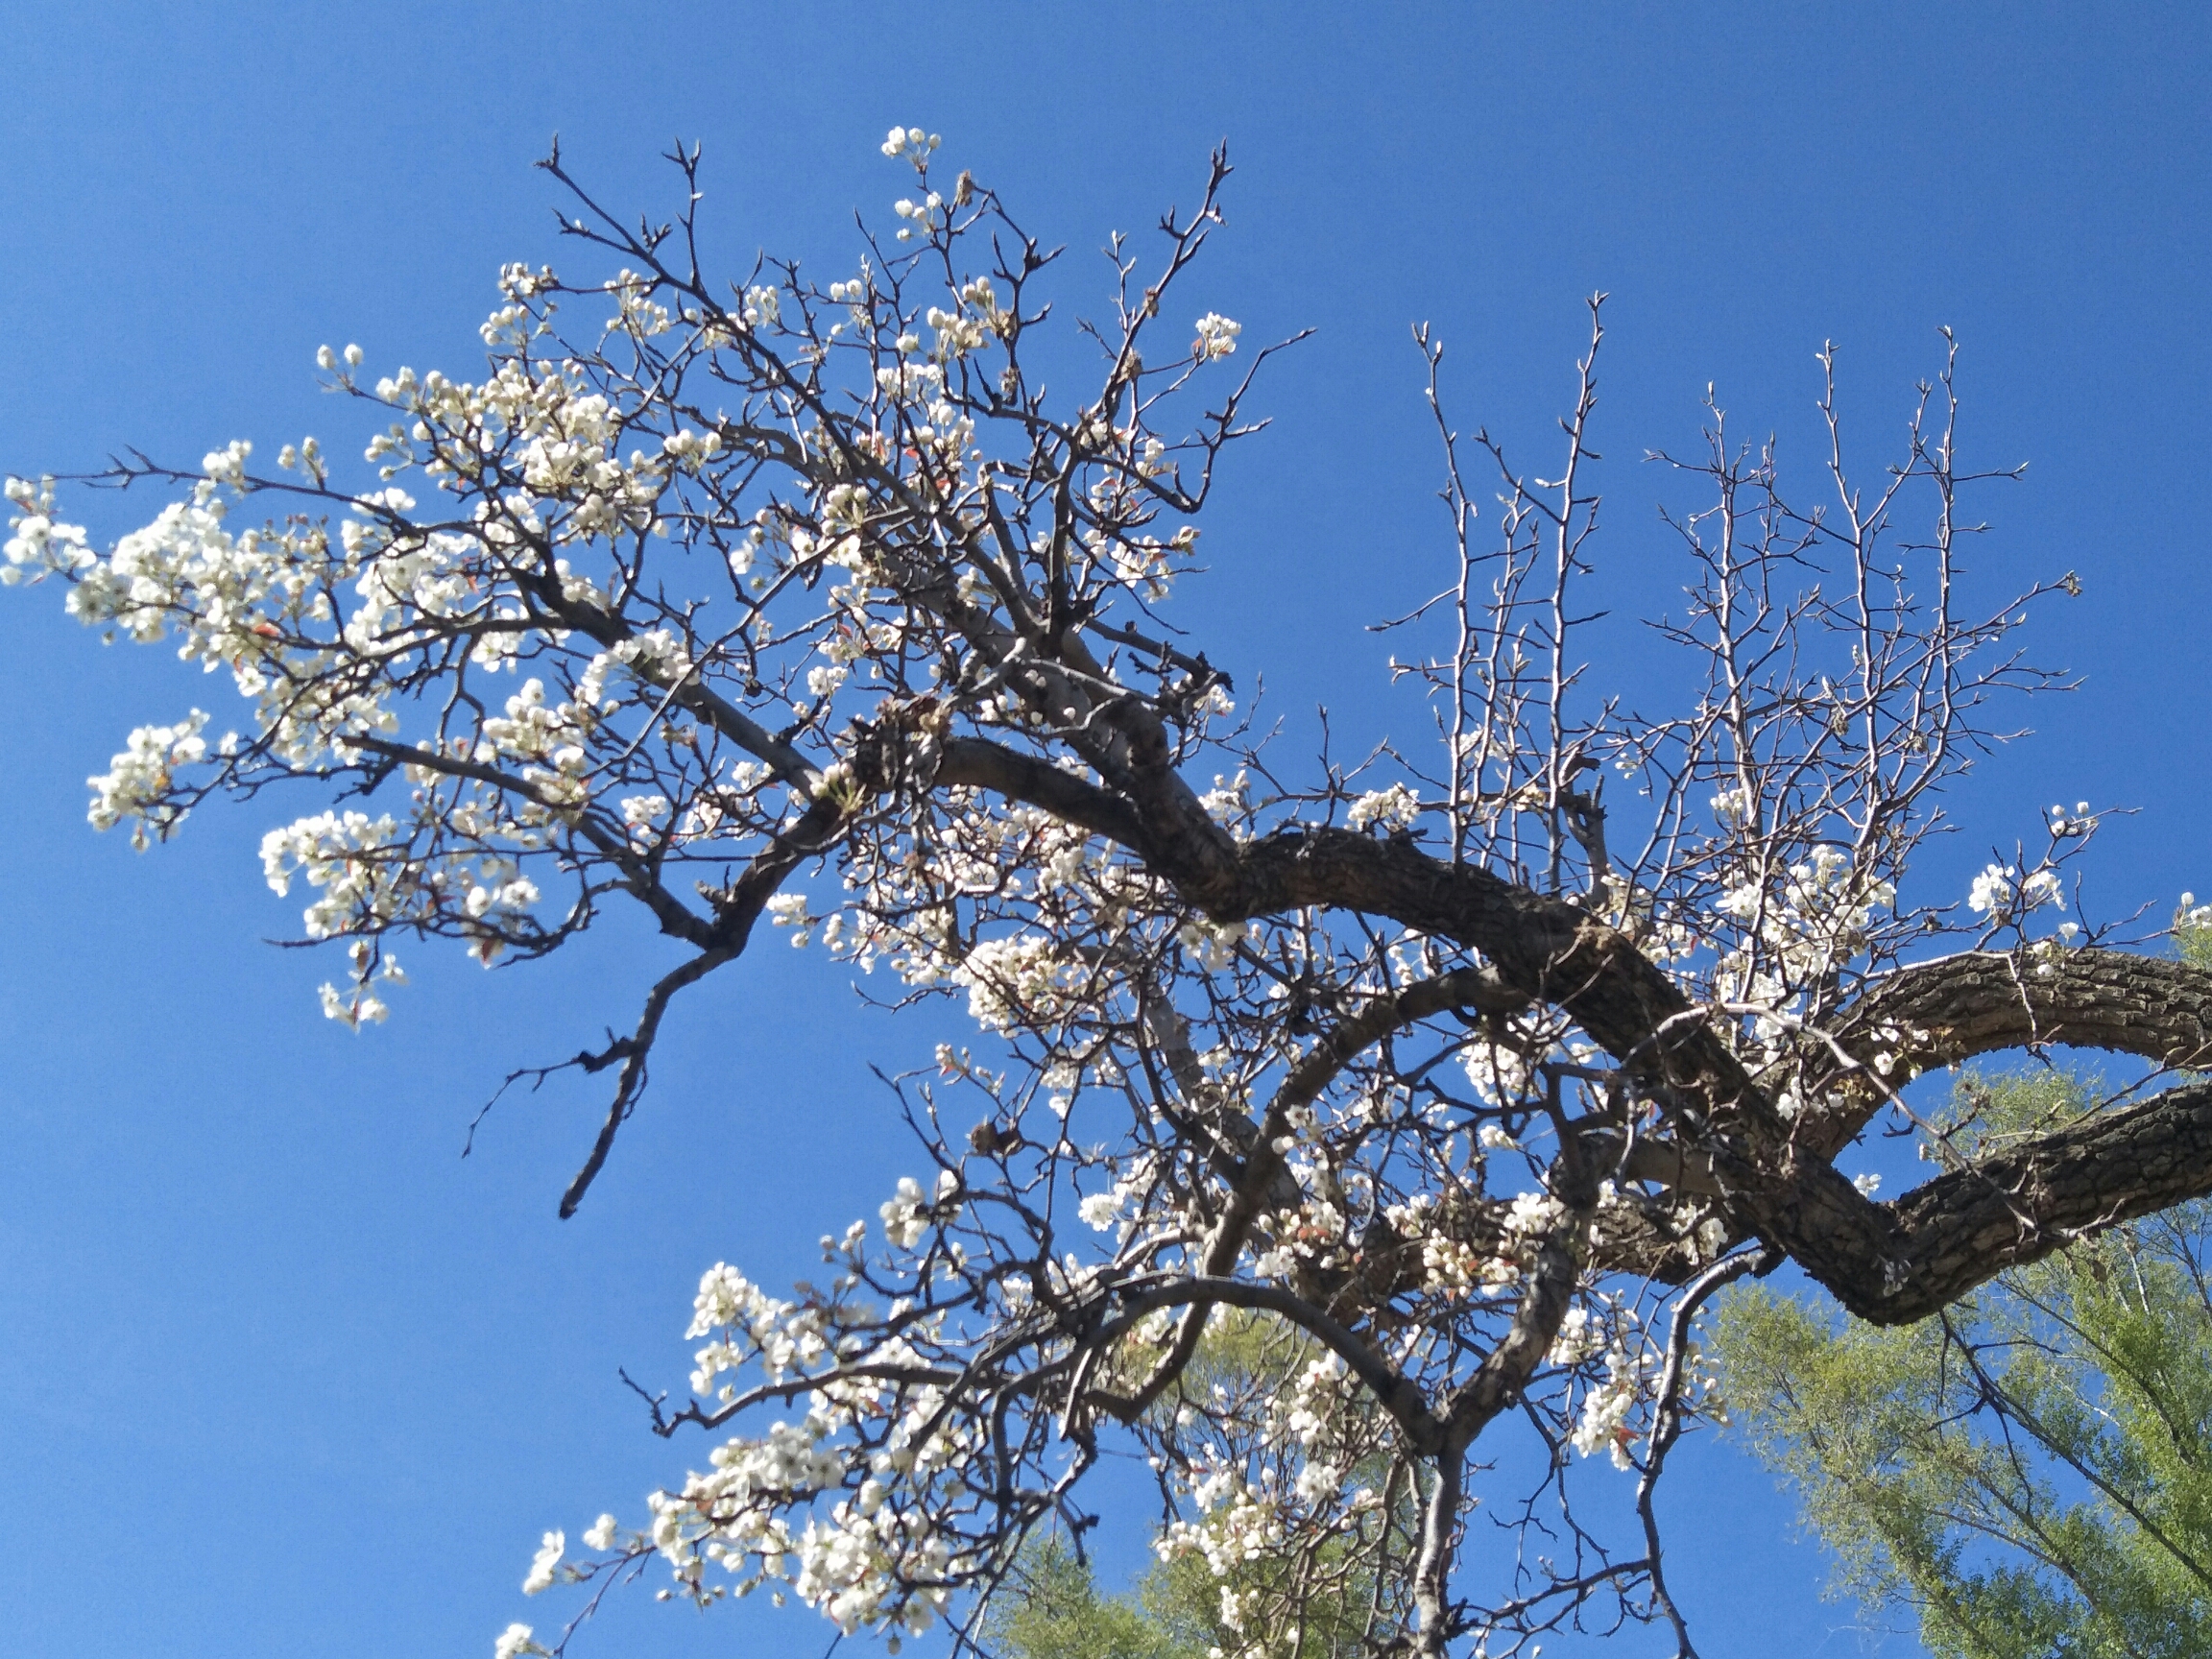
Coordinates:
280	1373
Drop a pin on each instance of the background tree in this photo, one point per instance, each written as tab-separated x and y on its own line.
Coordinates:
1248	1365
812	602
1050	1607
2030	1470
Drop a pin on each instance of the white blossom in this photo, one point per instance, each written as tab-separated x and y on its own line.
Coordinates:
1394	808
1216	336
1993	889
545	1564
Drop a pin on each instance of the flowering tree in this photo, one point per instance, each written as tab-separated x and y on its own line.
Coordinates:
795	605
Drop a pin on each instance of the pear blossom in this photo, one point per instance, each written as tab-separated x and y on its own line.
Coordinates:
1993	889
545	1564
1216	336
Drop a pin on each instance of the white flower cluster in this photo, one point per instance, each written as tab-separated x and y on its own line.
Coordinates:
545	1564
360	1005
1011	979
2000	891
908	1214
1606	1408
1290	1489
1216	337
241	602
2082	823
1503	1073
979	319
1213	943
137	784
1394	808
1101	1212
1815	918
837	1505
912	142
1581	1333
875	1557
37	546
1794	934
1238	1524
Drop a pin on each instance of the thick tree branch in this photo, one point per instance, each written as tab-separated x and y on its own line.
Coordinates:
971	762
1955	1008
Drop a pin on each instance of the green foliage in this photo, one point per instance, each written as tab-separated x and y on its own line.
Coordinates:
1050	1609
1310	1605
2031	1471
2193	932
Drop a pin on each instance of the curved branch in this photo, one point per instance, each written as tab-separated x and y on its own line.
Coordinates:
1981	1003
2019	1206
974	763
1397	1394
1478	988
1547	949
736	909
1667	1422
631	1080
1889	1263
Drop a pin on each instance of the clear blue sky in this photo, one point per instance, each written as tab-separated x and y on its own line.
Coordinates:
281	1374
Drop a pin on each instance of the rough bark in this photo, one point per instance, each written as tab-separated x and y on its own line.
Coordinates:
1887	1263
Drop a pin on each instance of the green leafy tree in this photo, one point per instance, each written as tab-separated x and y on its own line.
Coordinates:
1050	1608
2030	1471
1251	1372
